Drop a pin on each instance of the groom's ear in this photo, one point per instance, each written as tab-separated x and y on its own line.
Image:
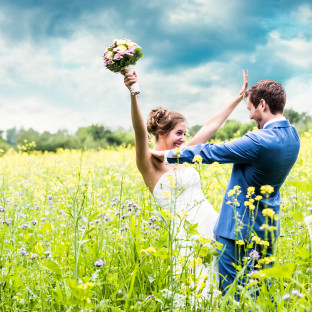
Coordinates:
264	106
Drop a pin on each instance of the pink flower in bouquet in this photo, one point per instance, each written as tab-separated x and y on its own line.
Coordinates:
117	56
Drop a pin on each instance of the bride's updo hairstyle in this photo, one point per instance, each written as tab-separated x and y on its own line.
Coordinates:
161	121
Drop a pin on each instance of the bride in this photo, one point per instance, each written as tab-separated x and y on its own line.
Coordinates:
169	128
176	188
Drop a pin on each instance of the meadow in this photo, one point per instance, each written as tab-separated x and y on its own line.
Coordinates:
80	232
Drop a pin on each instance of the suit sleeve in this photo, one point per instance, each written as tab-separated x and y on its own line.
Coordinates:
244	150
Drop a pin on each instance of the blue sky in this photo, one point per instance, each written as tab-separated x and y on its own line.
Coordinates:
51	68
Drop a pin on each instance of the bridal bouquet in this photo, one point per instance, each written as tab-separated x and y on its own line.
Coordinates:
120	56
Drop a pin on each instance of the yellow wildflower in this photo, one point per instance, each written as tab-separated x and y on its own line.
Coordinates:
149	250
266	189
202	286
240	242
185	213
195	262
272	228
190	279
205	277
250	190
268	212
258	197
166	193
197	159
267	260
167	214
263	226
177	152
256	239
231	193
264	243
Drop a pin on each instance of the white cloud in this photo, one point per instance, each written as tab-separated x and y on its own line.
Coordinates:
199	13
303	14
297	51
299	94
35	113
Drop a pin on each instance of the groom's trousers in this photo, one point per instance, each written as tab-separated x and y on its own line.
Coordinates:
233	253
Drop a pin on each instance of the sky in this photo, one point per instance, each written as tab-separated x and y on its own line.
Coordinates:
51	66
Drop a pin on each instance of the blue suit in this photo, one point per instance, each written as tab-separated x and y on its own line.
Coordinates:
260	157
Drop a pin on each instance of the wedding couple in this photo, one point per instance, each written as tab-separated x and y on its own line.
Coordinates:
261	157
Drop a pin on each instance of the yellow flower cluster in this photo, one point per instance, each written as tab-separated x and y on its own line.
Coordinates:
259	241
240	242
250	204
195	262
268	212
167	214
171	181
266	189
267	260
149	250
177	152
185	213
202	285
234	191
86	285
269	227
197	159
250	191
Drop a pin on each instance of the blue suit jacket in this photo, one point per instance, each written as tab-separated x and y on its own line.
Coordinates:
260	157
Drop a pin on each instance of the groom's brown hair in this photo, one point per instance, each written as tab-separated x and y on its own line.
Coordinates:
271	91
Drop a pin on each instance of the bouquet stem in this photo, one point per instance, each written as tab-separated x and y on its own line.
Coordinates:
134	88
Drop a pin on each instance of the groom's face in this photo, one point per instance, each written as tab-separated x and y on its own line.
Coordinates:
255	113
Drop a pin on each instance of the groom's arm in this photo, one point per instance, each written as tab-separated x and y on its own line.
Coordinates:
243	150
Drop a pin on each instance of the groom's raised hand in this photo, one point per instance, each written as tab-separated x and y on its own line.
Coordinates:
245	84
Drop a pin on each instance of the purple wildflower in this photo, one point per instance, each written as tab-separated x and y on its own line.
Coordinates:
149	297
99	263
254	254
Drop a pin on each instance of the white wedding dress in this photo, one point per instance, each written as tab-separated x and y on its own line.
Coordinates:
179	191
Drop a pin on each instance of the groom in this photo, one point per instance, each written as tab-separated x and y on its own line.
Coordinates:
263	157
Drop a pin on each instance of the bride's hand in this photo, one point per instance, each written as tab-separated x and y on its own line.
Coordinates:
245	84
130	78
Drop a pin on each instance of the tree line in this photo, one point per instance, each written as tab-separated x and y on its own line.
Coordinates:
99	136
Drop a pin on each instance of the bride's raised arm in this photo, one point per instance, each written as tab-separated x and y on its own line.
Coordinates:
215	122
143	155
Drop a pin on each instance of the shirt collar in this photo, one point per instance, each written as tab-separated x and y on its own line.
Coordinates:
273	120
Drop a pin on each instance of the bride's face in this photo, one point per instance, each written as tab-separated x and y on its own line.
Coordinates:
176	137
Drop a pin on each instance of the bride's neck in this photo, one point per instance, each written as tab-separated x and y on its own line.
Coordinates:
160	146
